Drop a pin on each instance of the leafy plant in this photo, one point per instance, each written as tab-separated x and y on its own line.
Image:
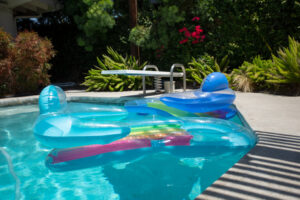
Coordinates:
93	19
201	67
6	76
114	61
240	81
5	44
252	76
31	66
24	64
287	65
280	74
139	35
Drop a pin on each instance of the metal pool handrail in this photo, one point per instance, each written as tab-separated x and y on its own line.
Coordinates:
157	79
157	75
172	74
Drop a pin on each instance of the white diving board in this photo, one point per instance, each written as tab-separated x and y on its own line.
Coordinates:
156	74
141	73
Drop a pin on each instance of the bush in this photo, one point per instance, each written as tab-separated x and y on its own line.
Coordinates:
26	64
31	61
287	65
113	61
252	76
281	74
241	29
199	68
6	77
5	44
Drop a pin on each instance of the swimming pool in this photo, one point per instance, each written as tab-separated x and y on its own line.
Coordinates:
154	176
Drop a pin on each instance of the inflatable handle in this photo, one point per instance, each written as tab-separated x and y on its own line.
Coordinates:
52	99
214	82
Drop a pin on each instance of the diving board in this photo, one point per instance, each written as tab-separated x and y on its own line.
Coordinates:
156	74
141	73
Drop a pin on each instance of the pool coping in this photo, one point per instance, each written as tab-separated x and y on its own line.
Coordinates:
75	95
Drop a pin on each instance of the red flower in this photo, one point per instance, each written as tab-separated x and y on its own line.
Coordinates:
187	33
196	19
202	38
199	31
184	41
195	35
184	29
195	41
198	27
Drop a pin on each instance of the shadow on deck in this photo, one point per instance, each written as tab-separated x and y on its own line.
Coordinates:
271	170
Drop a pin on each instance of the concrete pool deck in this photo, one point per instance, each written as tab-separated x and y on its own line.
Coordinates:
271	170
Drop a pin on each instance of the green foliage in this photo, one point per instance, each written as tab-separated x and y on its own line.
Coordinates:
157	33
240	29
155	25
287	65
6	76
201	67
26	64
71	61
93	18
252	76
139	35
282	74
243	29
114	61
165	18
5	41
31	66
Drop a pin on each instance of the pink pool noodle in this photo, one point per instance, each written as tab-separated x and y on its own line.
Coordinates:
120	145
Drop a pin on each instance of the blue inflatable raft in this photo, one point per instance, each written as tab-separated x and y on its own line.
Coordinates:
61	126
214	94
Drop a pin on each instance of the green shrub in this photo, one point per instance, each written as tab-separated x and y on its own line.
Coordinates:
93	19
25	65
252	76
5	44
139	35
199	68
114	61
31	66
282	74
6	76
287	65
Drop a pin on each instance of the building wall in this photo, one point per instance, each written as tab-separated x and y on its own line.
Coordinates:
12	9
7	20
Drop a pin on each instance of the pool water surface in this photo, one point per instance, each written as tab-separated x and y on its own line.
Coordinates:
154	176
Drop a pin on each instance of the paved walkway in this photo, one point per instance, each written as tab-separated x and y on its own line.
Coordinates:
271	170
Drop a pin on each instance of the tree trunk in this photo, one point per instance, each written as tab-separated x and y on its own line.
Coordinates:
134	50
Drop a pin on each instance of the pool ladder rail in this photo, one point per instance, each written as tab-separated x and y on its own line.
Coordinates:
158	79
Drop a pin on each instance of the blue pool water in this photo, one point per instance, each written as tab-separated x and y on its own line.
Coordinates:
155	176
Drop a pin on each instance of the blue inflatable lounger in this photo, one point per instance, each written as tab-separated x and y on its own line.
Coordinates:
214	94
61	126
185	125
